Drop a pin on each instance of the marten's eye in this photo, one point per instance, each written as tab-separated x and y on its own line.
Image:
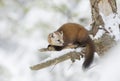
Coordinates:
58	40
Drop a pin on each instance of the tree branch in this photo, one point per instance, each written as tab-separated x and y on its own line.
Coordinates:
71	55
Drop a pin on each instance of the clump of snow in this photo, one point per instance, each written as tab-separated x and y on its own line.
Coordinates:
99	34
111	25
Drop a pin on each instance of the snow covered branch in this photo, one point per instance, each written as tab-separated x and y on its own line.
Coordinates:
71	55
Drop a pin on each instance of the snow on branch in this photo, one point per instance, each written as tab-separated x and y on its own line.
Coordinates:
71	55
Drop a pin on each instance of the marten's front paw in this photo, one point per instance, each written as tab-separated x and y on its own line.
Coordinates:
50	48
43	49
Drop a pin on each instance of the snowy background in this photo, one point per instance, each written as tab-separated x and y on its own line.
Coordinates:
24	26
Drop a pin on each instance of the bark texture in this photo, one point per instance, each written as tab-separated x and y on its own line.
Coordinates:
113	5
96	17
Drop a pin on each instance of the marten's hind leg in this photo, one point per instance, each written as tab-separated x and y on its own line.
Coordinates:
80	44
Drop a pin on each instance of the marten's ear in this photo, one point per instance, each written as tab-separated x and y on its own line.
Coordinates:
54	35
51	35
61	32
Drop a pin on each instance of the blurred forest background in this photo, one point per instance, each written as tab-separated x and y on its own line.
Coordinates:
24	27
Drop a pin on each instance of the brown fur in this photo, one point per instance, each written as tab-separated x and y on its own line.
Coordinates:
77	35
73	32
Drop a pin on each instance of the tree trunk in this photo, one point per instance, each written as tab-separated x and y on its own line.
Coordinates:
98	7
96	17
107	7
101	10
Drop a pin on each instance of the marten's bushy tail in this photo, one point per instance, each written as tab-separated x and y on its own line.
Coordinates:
89	56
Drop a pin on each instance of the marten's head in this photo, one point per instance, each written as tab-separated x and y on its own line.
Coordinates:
56	38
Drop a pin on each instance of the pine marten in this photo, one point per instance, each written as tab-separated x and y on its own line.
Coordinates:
73	34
